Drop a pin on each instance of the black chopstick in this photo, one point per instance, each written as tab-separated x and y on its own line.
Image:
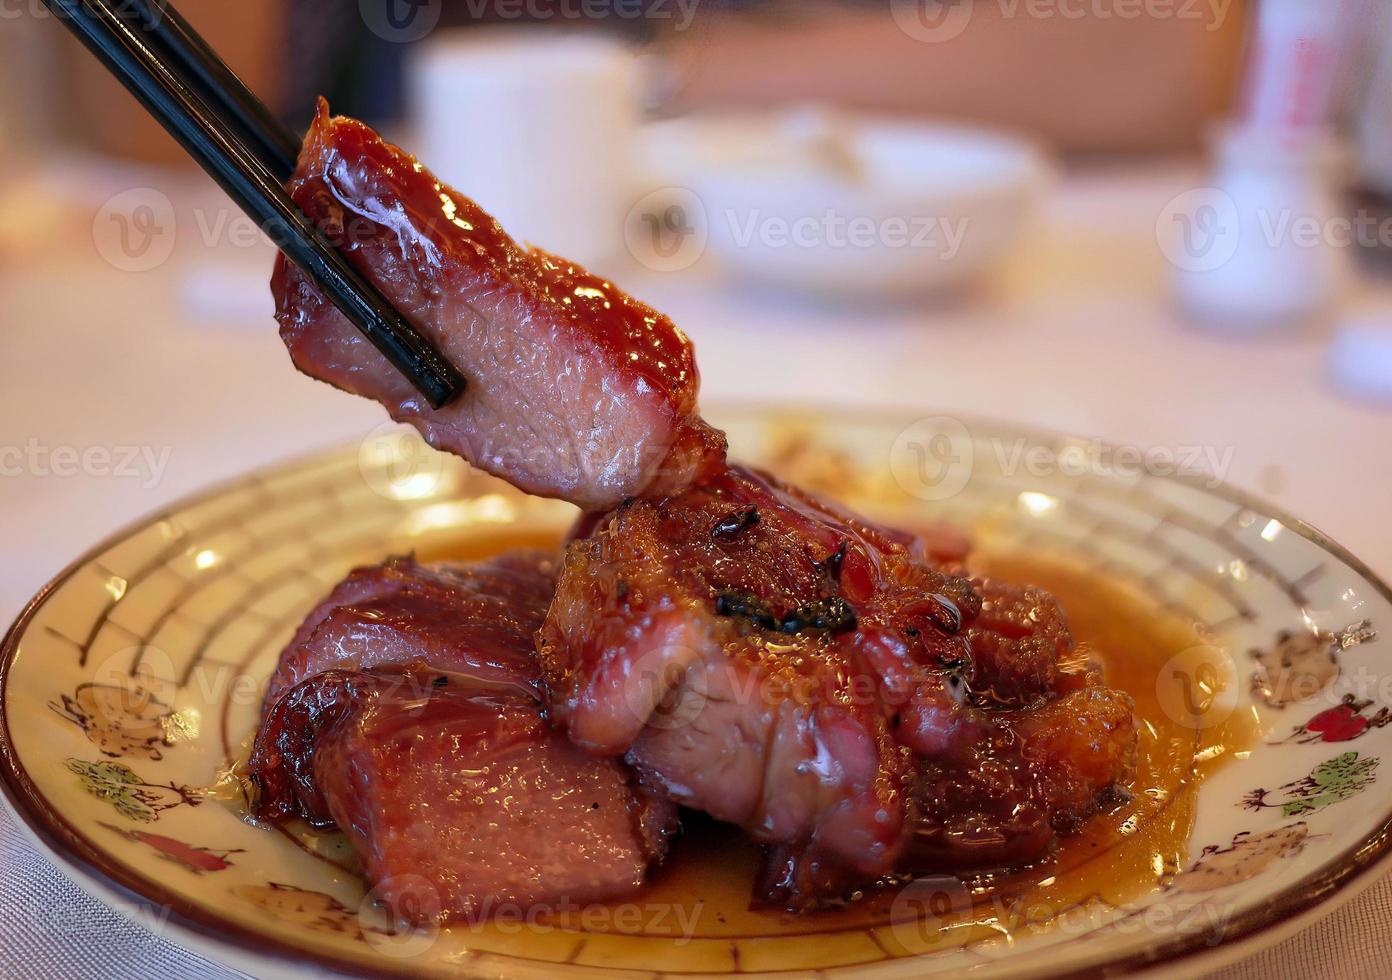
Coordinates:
213	142
216	83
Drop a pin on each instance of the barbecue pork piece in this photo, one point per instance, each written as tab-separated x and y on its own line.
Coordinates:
1051	745
574	389
1017	643
1037	746
753	647
436	759
461	802
472	618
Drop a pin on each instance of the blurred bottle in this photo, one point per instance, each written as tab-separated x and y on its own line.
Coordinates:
1372	123
31	217
1360	357
1260	243
1270	250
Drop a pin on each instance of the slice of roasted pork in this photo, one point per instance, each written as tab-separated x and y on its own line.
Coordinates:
574	389
410	718
462	803
1037	746
1050	744
473	618
753	648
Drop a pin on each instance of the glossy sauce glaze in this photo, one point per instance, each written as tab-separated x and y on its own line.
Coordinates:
1116	857
451	235
575	390
803	637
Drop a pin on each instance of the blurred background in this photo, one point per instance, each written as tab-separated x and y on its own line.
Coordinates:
1163	223
1157	222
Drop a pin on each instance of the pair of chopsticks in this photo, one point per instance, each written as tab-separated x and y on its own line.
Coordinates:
233	136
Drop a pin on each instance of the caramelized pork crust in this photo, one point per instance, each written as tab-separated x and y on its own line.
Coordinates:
1036	746
793	668
575	389
1003	799
1017	643
753	648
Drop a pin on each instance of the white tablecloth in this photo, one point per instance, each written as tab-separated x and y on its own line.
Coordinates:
1077	335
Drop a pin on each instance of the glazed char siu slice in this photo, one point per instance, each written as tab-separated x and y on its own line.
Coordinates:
1049	744
472	618
1037	747
461	803
752	648
1018	643
1032	775
435	758
575	389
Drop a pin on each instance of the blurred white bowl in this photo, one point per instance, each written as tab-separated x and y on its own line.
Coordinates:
818	202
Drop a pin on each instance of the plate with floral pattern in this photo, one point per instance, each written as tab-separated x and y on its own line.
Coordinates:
131	684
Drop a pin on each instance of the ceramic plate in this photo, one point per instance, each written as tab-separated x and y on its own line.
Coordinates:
131	684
